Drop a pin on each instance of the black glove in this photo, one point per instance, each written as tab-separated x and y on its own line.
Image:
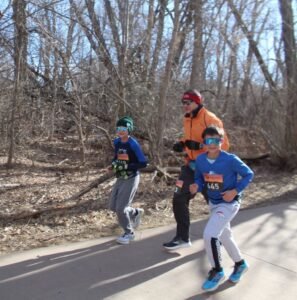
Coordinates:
193	145
178	147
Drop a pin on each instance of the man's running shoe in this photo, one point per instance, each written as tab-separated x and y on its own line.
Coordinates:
177	243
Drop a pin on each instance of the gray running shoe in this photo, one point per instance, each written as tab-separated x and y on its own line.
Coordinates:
137	219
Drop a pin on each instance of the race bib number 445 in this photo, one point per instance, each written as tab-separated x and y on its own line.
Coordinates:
214	182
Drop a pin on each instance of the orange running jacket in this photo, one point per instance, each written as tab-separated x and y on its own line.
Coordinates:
194	126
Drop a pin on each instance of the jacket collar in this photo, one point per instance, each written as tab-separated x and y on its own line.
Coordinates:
194	113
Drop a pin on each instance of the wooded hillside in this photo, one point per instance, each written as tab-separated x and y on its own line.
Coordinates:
69	69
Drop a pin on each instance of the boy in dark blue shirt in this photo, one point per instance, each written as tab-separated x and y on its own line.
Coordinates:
128	159
217	172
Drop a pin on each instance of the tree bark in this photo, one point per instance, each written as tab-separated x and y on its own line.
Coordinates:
290	51
20	58
197	80
165	84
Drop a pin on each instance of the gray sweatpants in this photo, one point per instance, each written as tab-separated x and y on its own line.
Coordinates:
121	198
218	231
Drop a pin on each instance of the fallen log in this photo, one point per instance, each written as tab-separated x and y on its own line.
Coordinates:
60	207
92	185
36	213
10	186
253	158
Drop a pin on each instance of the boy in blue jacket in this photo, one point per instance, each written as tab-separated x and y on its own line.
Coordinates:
223	176
128	159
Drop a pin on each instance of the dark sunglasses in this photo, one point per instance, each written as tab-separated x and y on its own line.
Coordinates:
187	102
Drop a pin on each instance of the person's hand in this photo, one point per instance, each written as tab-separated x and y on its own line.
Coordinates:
119	165
228	196
178	147
193	188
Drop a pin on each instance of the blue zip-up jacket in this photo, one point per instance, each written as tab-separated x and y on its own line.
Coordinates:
130	152
227	172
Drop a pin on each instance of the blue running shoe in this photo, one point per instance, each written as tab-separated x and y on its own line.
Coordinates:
213	280
238	271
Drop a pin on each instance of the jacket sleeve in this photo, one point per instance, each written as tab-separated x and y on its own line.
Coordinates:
245	173
141	159
115	147
199	179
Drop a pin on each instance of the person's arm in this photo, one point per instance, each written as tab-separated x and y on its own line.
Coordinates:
141	159
198	184
245	173
180	145
199	179
115	147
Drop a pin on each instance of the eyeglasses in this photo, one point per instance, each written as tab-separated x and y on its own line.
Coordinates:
209	141
187	102
121	128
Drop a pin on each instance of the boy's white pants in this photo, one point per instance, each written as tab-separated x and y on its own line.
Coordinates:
218	231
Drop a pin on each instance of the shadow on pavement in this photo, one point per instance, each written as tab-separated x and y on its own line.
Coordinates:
90	273
106	269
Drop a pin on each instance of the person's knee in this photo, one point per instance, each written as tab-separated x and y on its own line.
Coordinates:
226	235
120	210
209	235
206	236
180	198
124	210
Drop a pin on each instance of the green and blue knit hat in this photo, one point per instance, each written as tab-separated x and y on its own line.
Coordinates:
126	122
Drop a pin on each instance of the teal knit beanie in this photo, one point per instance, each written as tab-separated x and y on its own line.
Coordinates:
126	122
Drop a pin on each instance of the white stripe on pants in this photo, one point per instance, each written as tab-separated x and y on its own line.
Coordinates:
218	227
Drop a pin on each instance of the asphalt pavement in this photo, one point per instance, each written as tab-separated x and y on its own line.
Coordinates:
101	269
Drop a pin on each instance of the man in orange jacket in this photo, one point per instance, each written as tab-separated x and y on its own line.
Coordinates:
196	119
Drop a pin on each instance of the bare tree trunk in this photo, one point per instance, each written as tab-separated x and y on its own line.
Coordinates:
100	48
197	80
80	132
120	45
148	40
54	85
246	109
15	100
158	44
20	57
288	37
165	82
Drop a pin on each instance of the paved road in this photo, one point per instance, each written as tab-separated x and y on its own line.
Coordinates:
101	269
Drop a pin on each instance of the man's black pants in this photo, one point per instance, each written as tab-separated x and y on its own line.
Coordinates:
181	200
